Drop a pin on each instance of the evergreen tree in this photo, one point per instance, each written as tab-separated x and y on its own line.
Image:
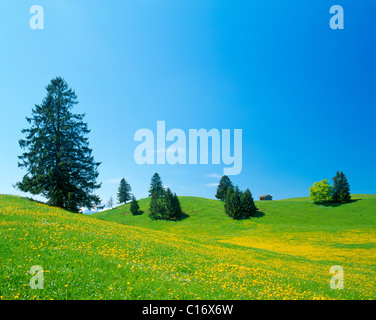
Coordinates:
228	202
233	206
169	205
134	206
156	185
236	208
57	157
177	207
341	188
124	191
157	209
157	203
224	184
239	204
247	204
164	205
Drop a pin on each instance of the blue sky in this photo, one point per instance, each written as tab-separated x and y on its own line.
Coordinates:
303	94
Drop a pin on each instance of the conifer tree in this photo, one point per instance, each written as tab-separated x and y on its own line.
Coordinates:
169	212
177	207
124	191
134	205
57	157
239	204
248	206
224	184
233	205
156	185
341	188
154	208
164	205
236	209
228	202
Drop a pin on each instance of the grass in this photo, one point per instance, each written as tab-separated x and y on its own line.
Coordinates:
284	253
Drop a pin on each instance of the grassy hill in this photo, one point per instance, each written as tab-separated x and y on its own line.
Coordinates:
284	253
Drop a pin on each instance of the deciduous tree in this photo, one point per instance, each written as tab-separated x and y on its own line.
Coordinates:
321	192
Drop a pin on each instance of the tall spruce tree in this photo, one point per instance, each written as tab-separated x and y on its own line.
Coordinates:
57	157
224	184
156	186
124	191
341	188
157	208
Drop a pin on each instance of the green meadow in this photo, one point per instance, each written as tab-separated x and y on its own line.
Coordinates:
284	252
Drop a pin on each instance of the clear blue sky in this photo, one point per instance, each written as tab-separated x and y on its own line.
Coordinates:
303	94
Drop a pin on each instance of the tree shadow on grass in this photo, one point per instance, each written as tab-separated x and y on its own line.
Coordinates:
182	217
138	213
258	214
335	204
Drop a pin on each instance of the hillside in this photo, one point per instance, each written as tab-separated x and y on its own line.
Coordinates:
284	253
205	217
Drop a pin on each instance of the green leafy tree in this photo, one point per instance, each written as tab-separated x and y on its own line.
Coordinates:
341	188
156	186
224	184
247	203
124	191
321	192
134	205
57	157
